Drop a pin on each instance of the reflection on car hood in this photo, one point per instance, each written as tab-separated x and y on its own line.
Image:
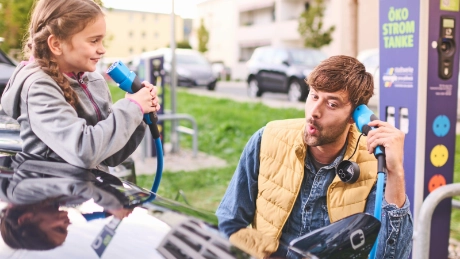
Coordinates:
159	229
138	236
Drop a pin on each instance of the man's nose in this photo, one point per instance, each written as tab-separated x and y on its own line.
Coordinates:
315	110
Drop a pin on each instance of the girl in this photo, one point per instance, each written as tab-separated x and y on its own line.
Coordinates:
63	107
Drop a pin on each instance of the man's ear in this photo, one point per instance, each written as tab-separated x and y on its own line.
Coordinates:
351	121
55	45
26	217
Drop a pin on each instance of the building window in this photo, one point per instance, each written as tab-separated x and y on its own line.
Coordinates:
131	34
131	50
143	17
143	34
156	35
144	49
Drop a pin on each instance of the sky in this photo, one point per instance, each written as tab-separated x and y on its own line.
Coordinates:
184	8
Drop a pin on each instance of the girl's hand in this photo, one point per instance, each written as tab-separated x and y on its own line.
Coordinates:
146	97
153	93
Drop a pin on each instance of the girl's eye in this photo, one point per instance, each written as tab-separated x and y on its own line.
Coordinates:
94	41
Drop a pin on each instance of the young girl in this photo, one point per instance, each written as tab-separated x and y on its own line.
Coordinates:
63	107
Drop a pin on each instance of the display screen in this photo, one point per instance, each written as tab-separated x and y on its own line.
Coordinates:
448	23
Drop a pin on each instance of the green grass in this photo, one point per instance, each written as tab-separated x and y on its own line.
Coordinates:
224	128
455	215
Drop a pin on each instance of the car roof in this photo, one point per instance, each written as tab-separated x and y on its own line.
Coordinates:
162	51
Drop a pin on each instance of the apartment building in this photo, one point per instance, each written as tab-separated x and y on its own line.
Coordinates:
130	33
237	27
219	17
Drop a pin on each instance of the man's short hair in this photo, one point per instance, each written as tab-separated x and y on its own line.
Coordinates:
343	73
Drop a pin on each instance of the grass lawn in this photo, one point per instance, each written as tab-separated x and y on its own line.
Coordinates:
224	128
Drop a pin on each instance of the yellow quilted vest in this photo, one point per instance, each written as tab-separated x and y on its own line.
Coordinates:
282	157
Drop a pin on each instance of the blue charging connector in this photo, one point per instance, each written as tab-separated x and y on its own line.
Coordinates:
362	115
129	82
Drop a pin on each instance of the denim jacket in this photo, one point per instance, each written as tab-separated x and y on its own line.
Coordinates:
237	208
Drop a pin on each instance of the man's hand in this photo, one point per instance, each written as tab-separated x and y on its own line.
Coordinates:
392	139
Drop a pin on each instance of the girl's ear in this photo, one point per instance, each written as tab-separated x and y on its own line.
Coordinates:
26	217
55	45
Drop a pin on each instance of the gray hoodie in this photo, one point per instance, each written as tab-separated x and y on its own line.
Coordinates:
96	135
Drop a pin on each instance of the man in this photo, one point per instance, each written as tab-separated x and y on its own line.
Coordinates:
286	186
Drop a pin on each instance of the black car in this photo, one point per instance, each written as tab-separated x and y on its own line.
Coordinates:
282	70
52	209
7	66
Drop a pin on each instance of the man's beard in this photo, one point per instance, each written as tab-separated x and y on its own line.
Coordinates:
323	136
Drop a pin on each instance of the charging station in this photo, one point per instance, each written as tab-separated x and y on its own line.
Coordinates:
150	69
419	67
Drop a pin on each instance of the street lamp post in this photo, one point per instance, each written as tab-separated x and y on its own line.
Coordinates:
174	123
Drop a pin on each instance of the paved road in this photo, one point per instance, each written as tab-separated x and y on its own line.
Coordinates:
237	91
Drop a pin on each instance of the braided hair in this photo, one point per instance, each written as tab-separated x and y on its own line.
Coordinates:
63	19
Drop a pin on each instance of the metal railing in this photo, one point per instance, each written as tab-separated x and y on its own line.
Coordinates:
423	230
147	146
193	132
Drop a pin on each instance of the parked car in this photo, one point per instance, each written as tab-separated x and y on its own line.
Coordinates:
221	71
7	66
282	70
192	68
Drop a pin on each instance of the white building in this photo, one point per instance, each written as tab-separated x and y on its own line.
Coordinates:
237	27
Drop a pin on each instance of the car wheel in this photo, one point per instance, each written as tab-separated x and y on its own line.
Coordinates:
211	86
253	89
305	92
295	91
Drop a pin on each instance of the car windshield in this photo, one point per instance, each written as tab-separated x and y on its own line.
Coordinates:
307	57
190	59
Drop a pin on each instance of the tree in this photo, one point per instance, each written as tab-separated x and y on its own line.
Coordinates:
203	38
14	22
99	2
181	45
311	26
